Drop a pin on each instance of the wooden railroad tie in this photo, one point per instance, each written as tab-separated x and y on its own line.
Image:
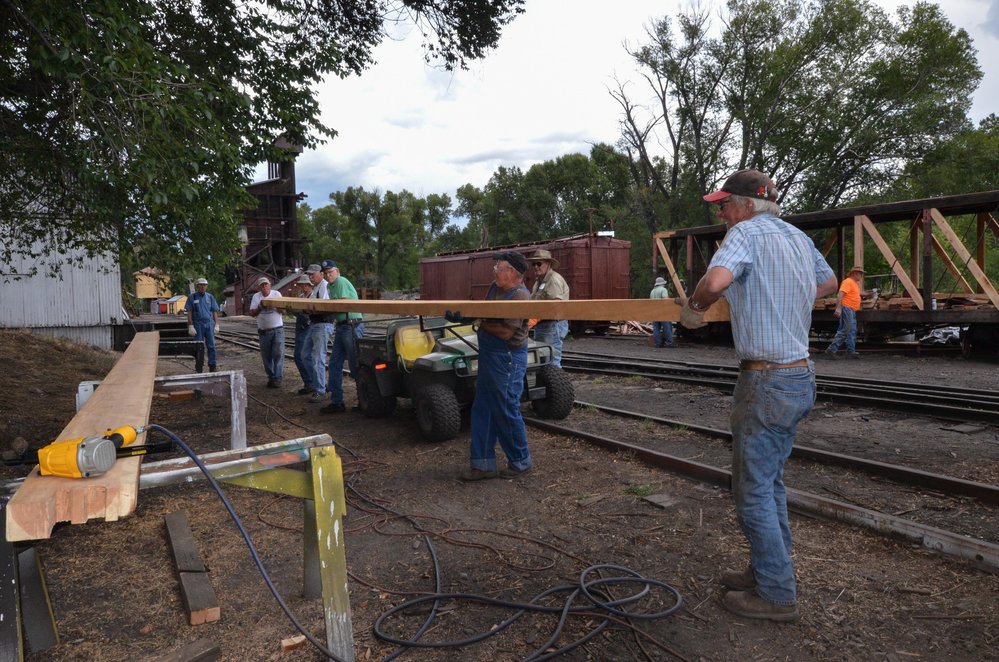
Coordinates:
195	588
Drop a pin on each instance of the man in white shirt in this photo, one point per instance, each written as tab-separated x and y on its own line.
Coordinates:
270	328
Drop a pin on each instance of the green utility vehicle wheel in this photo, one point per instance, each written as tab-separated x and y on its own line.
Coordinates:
437	412
557	403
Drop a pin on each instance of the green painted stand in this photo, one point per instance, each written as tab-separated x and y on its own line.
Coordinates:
321	488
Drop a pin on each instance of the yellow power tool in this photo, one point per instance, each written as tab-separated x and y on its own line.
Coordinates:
84	457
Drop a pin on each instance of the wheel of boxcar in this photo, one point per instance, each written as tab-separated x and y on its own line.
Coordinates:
437	412
369	398
559	394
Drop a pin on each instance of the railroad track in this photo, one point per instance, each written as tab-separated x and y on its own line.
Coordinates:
925	399
927	497
804	495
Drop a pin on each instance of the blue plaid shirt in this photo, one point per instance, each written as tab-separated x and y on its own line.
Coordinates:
776	269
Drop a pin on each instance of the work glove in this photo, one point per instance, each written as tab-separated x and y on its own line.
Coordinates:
216	330
455	317
690	318
191	330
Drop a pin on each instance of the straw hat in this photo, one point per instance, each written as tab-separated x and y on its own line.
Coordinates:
547	256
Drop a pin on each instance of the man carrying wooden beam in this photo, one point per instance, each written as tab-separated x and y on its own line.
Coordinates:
771	274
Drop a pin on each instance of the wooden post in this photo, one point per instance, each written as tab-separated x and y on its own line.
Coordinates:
927	260
312	586
331	506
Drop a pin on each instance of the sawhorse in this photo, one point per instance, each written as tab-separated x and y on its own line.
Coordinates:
266	467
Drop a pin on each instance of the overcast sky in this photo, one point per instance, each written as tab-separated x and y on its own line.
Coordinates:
541	93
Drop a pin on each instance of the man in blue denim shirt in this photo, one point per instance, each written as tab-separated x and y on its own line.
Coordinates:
771	274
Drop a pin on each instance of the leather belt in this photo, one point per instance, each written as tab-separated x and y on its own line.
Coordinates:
767	365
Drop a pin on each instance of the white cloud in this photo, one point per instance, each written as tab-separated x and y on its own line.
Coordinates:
542	93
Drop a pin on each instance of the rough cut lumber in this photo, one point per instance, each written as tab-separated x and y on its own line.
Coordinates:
199	598
202	650
36	610
195	588
652	310
292	643
123	399
10	607
185	552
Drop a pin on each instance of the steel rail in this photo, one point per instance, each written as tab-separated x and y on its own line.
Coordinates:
965	406
916	477
915	387
981	554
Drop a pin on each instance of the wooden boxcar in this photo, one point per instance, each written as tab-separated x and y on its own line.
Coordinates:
594	265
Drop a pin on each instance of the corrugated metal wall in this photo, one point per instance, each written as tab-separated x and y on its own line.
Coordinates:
80	299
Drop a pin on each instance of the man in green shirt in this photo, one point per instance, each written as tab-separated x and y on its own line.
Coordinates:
348	327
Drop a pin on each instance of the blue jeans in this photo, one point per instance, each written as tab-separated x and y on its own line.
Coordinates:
272	352
315	355
662	333
768	404
343	350
205	330
496	409
552	332
301	335
846	334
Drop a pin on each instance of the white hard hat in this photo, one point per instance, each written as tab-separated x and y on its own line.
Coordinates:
201	281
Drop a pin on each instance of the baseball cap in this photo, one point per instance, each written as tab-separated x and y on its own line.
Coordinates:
747	183
263	279
313	269
516	260
329	264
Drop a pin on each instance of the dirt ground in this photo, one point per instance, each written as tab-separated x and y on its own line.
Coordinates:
862	596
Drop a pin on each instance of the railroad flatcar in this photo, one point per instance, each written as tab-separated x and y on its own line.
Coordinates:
595	265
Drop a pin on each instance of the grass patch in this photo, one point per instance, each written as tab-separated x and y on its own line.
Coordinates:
640	490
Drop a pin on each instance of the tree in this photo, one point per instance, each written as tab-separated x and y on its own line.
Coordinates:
135	123
831	98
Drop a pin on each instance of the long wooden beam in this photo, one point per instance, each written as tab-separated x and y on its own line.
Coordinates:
655	310
903	278
123	399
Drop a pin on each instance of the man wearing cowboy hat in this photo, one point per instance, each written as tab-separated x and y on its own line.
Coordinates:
847	305
549	284
662	332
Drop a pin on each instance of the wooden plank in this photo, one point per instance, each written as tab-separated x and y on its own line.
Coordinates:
964	254
11	647
896	268
199	598
202	650
185	551
671	270
36	609
665	310
951	267
123	399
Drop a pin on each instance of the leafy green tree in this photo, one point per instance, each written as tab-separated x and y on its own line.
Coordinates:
136	123
831	98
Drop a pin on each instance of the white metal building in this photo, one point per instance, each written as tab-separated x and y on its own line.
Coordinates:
72	296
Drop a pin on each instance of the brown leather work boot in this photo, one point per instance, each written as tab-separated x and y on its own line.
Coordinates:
739	580
472	475
750	605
